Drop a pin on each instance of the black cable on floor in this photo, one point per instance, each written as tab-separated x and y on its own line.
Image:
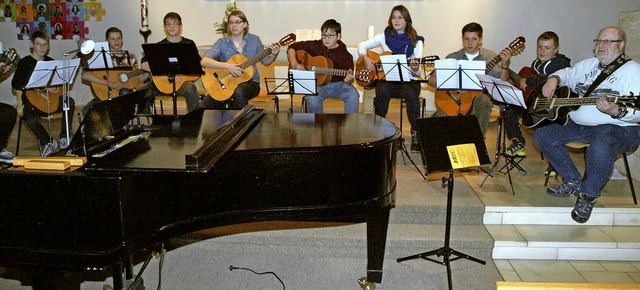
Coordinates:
231	268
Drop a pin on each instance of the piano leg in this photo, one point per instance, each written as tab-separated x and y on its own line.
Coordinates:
117	268
377	224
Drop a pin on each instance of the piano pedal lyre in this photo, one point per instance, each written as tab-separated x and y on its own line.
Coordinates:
366	285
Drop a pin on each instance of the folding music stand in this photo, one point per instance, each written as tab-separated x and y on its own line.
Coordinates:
54	73
447	144
395	69
298	82
507	95
171	59
458	75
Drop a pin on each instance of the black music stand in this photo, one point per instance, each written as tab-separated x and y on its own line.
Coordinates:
298	82
395	69
171	59
447	144
506	95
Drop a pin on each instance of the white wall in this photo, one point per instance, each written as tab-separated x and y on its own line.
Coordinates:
439	21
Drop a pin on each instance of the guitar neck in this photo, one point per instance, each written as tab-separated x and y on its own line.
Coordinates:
491	64
562	102
256	58
330	71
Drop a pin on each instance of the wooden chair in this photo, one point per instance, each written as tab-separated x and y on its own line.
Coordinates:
582	147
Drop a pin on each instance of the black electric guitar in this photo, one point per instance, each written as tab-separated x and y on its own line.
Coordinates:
542	111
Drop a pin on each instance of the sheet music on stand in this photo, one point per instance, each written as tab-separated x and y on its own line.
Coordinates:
502	91
303	82
101	57
52	73
452	74
396	68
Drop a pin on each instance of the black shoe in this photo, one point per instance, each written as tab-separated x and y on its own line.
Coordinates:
565	189
584	205
415	142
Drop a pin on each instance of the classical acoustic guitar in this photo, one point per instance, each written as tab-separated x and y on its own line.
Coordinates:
44	100
323	68
104	92
524	73
378	72
542	111
162	83
9	57
220	84
446	104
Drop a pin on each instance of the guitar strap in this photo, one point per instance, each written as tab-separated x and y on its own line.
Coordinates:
613	66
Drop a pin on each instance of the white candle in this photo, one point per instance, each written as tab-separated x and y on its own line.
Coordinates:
370	32
144	11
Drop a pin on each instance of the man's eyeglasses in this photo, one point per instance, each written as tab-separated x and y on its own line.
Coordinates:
328	36
605	41
172	24
237	22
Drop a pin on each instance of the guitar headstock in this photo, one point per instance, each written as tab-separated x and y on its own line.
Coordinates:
516	46
429	59
9	56
288	39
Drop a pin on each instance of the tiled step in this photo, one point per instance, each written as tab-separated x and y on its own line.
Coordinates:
549	233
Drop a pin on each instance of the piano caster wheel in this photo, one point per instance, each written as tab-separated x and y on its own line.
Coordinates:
366	285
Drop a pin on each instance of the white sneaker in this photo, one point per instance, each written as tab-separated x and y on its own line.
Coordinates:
49	148
64	143
6	156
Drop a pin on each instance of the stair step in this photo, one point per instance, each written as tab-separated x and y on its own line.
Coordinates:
559	216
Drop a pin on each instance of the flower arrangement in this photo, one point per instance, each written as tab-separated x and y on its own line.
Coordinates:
223	27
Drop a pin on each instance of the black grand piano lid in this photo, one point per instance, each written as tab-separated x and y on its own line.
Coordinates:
107	117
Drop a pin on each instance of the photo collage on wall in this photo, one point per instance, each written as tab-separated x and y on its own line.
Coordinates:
60	19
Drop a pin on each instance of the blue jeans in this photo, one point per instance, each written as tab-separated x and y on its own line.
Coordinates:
341	90
606	142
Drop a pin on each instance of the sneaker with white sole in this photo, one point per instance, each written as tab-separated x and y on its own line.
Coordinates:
49	148
6	156
582	210
565	189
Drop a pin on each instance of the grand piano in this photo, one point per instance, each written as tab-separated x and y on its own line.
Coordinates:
144	184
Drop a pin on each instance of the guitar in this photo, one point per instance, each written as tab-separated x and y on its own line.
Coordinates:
542	111
9	57
378	73
162	83
446	104
323	68
103	92
46	102
220	84
524	73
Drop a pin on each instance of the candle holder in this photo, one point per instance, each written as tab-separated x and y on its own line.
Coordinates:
145	33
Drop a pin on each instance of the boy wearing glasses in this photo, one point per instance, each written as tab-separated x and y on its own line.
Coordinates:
39	45
173	29
611	129
331	47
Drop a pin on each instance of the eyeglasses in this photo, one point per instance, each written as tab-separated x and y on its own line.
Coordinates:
41	44
605	41
237	22
328	36
172	24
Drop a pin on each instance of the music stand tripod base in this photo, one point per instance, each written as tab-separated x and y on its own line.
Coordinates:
440	137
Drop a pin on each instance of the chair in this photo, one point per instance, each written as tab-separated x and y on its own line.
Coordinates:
583	146
21	119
